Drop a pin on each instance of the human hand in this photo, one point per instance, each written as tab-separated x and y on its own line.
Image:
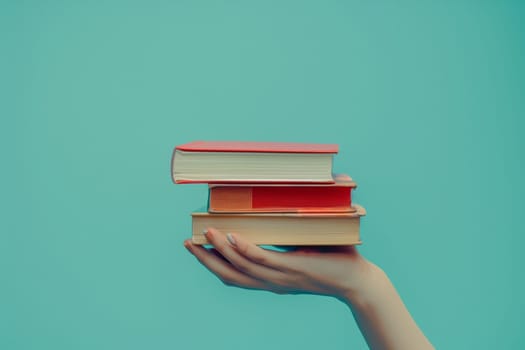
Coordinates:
339	271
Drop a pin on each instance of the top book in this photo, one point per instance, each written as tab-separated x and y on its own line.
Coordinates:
252	162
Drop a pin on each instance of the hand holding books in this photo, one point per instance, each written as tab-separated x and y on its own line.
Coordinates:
339	271
285	194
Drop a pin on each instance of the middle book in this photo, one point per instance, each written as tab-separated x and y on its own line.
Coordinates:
283	198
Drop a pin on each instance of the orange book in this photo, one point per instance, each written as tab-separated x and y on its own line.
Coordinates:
252	162
300	198
283	228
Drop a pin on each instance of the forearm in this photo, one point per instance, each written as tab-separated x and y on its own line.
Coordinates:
382	316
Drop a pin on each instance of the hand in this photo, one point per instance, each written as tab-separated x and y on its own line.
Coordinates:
336	271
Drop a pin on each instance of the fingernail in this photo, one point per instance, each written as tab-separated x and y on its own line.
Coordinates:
205	232
230	239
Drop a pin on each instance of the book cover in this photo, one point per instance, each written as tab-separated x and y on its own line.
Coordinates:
283	197
257	147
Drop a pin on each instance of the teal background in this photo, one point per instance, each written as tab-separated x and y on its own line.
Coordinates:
424	98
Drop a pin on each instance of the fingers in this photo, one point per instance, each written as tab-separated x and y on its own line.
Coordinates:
272	259
227	248
221	268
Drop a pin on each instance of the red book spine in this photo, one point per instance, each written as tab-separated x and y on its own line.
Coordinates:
300	197
327	198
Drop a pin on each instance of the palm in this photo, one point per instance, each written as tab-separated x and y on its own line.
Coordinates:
330	270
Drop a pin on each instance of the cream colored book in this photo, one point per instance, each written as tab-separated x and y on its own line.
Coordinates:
283	228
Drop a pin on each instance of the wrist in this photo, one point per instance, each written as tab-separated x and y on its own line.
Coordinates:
372	281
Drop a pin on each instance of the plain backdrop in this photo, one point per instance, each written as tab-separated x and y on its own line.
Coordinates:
425	99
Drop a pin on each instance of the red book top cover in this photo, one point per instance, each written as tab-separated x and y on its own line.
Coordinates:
250	146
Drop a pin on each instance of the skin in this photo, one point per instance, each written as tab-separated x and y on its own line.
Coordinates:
340	272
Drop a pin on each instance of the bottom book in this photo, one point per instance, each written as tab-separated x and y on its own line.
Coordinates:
283	228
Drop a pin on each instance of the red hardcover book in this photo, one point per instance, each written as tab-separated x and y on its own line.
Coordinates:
252	162
291	198
260	147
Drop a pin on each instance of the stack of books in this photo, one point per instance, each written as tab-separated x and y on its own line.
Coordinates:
271	193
